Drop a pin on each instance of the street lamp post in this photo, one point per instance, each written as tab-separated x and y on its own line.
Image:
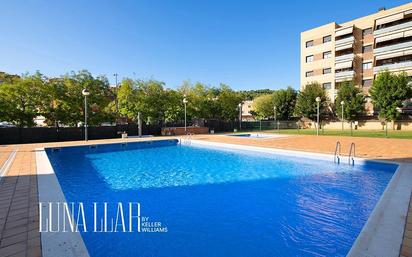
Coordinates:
116	100
342	103
85	93
275	115
317	120
240	116
185	102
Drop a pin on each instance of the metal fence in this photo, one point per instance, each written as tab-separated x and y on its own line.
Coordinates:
52	134
230	126
268	125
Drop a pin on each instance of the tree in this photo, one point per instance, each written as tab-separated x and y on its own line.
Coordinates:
388	92
21	99
252	94
151	101
196	95
353	99
53	102
263	106
228	101
127	100
210	102
285	101
306	105
174	109
99	99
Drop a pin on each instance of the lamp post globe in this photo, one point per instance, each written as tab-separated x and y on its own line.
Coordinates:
342	103
240	116
185	102
85	93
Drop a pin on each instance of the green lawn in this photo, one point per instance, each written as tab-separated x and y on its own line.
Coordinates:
356	133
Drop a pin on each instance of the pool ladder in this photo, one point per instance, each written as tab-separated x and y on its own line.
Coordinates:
187	140
336	157
351	157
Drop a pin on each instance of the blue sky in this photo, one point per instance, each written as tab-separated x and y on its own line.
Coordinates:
245	44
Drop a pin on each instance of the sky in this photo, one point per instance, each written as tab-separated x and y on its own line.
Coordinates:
244	44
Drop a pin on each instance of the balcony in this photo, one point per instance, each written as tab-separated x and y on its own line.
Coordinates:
393	66
393	28
343	31
392	47
346	57
345	40
344	75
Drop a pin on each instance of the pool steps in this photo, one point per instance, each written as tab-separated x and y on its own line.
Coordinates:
336	156
351	157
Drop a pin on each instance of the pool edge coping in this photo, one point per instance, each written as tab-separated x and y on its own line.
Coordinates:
382	234
62	244
7	163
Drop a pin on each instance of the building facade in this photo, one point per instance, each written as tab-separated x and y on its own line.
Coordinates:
247	108
357	50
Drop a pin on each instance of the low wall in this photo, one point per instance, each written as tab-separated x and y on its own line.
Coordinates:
170	131
52	134
364	125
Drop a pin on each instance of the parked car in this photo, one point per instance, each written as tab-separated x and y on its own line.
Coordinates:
6	124
406	108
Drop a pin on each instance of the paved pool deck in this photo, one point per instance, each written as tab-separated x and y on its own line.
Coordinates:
19	217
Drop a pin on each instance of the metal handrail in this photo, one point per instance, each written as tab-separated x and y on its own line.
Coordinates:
187	140
352	147
337	153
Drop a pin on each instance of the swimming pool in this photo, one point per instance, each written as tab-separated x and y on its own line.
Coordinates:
222	202
255	135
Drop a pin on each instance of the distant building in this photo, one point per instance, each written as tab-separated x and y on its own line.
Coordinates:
40	121
247	107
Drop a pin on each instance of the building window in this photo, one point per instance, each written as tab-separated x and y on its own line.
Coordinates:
327	39
327	55
367	49
367	83
309	73
366	32
327	70
327	86
309	43
367	65
309	58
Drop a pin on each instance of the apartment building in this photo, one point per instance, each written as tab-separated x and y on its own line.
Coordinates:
247	108
357	50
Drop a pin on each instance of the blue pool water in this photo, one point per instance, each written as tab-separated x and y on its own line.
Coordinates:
217	202
252	135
